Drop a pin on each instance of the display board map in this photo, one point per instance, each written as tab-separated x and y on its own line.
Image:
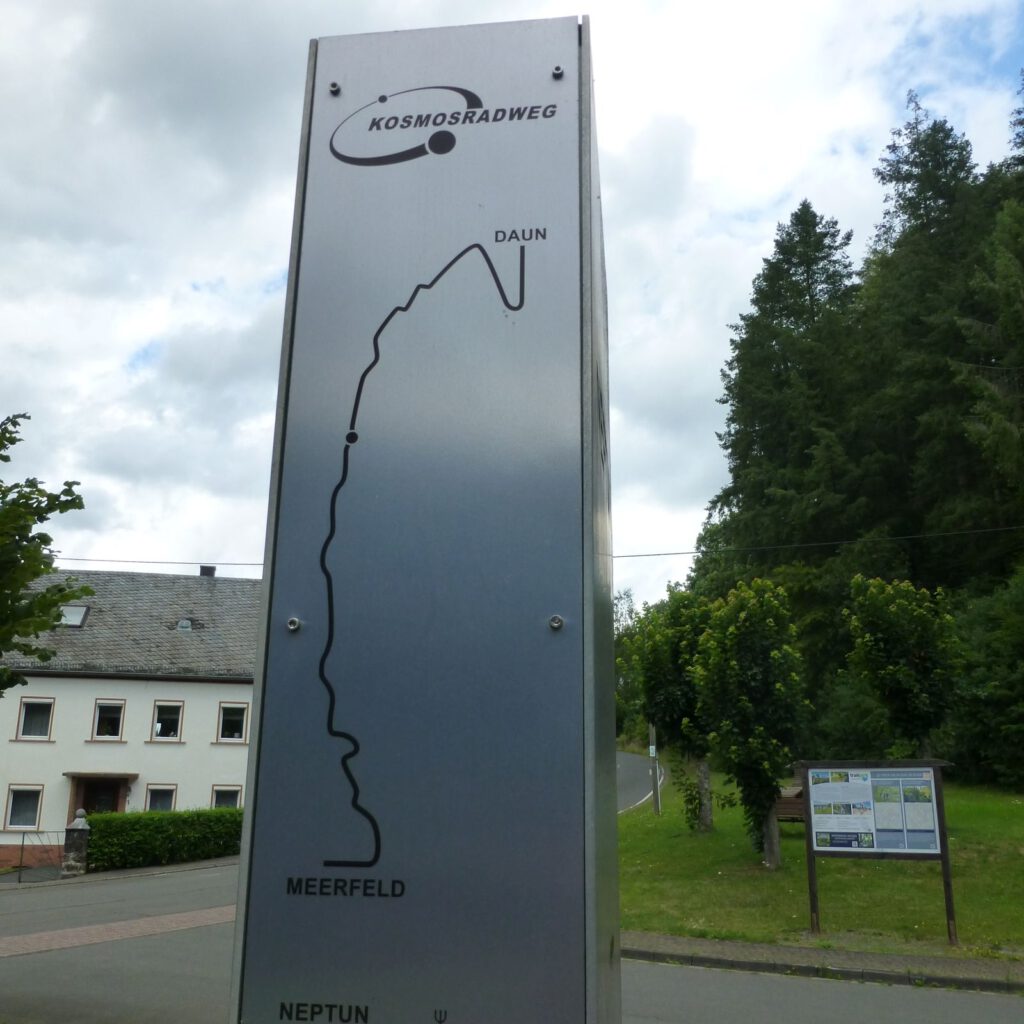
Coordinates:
874	810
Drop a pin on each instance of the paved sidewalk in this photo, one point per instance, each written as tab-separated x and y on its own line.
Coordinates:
89	935
36	878
976	973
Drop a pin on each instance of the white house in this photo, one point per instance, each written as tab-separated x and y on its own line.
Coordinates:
145	706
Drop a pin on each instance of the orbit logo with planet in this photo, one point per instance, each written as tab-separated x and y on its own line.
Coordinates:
412	123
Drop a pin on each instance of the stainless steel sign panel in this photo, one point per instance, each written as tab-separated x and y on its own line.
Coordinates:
417	836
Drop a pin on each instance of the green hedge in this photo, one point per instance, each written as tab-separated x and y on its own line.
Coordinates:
140	839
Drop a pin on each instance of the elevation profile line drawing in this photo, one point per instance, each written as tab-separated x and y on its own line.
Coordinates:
351	438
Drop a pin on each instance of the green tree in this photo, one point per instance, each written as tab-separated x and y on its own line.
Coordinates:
670	632
905	649
748	676
781	387
792	385
717	567
25	556
921	471
987	731
628	675
1017	130
875	420
994	365
927	167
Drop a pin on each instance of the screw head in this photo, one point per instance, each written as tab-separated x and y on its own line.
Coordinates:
558	71
556	622
293	625
335	88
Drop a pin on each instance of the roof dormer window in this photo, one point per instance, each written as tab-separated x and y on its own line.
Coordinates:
73	615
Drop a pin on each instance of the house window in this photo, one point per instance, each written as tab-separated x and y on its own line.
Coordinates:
73	615
161	798
167	721
232	723
226	796
108	720
23	805
35	718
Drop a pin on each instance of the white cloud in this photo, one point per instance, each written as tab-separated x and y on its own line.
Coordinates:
146	204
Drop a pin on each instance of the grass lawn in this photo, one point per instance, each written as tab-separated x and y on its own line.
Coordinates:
679	882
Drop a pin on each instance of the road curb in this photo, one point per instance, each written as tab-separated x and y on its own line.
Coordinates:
864	974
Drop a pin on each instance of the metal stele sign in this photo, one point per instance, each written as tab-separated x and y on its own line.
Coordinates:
426	838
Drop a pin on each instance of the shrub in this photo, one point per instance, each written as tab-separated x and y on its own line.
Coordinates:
141	839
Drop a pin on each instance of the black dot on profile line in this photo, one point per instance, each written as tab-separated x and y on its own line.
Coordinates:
382	99
441	142
351	437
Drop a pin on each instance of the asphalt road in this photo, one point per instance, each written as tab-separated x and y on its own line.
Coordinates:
183	975
633	772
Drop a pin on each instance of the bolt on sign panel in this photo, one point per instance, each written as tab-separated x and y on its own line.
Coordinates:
431	836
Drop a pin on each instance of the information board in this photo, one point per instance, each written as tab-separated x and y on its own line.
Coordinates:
873	809
430	819
886	810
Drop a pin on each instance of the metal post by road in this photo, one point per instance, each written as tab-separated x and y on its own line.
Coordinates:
653	750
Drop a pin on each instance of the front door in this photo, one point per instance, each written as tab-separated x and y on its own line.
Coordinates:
99	795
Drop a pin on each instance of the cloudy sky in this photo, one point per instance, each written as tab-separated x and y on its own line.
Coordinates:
146	181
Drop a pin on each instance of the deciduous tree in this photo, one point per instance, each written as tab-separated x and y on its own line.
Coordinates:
669	635
749	684
905	649
628	675
987	735
25	556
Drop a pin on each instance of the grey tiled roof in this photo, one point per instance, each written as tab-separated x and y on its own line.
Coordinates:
132	627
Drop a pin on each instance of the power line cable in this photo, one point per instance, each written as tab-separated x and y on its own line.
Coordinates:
824	543
152	561
639	554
